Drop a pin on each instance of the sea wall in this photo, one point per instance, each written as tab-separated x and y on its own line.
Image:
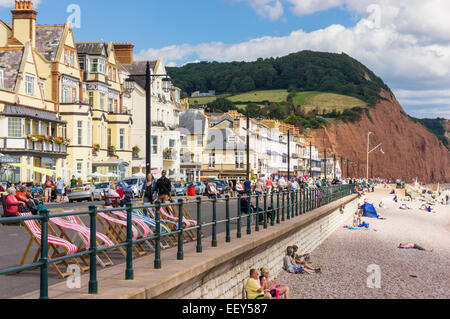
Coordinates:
227	279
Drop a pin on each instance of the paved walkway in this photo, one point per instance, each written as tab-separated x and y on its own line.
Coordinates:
345	256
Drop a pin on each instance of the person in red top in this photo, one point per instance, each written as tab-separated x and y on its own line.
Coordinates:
13	203
269	185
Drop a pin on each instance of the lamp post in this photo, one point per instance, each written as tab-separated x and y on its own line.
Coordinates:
248	146
289	156
368	152
148	106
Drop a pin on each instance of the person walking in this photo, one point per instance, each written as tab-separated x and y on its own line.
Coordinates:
48	190
148	189
59	189
164	188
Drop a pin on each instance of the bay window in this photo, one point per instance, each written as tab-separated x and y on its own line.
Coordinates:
15	127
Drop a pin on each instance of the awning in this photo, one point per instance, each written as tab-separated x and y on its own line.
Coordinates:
40	170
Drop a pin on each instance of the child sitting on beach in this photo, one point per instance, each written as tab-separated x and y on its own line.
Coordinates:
381	205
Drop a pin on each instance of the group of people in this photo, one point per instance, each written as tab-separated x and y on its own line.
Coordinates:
157	189
258	285
23	199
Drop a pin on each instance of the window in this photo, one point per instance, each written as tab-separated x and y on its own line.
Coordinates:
44	129
29	84
80	132
14	127
232	139
200	140
102	101
89	137
109	138
171	143
183	140
79	168
110	105
116	110
91	98
122	139
81	64
66	94
154	144
74	95
2	84
43	88
72	58
66	57
101	66
28	125
212	160
94	65
239	160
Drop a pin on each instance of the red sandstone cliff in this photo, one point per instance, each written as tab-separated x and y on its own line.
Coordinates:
410	150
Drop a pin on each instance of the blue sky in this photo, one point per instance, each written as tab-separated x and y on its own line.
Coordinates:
410	52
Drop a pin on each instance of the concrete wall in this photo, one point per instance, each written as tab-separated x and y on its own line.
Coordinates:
228	280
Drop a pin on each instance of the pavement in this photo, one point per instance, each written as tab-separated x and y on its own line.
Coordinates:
352	261
14	239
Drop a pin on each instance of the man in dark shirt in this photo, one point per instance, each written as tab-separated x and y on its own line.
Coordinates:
164	188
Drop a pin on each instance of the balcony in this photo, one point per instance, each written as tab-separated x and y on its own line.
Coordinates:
169	155
24	144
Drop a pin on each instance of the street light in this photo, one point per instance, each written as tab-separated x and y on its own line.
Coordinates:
129	86
368	152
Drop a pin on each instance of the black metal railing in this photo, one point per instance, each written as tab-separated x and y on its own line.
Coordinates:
276	207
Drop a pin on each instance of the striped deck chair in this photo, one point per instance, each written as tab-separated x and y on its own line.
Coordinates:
145	230
187	220
151	223
53	242
166	225
84	234
172	215
115	229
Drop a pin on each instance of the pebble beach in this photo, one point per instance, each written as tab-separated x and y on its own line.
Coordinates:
348	257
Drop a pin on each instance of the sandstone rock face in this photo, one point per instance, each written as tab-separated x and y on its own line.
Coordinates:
410	150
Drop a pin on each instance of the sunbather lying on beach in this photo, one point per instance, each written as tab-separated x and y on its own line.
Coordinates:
404	206
414	246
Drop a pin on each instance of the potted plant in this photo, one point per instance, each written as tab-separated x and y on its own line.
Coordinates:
95	148
136	151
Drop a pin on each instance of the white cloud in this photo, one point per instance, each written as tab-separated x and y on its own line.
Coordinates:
272	9
409	51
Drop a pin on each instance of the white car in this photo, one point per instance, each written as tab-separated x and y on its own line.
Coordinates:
135	183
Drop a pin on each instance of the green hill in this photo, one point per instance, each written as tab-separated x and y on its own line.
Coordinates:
297	72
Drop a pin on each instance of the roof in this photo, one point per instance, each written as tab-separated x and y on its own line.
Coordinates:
10	61
217	120
218	140
138	69
21	111
94	48
192	121
48	40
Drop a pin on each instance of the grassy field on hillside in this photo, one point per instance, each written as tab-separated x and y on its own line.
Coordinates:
330	101
259	96
308	99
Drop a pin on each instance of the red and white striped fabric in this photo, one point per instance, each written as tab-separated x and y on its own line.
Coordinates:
137	221
171	215
105	239
86	232
36	231
120	222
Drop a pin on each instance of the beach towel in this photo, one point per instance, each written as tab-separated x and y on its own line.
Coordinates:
358	228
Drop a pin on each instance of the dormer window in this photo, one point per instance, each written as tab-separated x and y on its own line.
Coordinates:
97	66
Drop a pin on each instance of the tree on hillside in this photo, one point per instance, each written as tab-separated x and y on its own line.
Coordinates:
221	105
254	110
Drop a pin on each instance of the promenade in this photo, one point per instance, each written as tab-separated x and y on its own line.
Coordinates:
345	256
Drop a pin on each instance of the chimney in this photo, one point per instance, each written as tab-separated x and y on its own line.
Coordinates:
124	52
24	22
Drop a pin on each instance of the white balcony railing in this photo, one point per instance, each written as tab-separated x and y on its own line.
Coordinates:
9	143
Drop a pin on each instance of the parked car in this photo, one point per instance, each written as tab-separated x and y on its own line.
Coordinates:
81	192
200	188
135	183
400	185
99	190
179	189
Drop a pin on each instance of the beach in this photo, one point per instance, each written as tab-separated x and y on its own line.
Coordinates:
353	260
